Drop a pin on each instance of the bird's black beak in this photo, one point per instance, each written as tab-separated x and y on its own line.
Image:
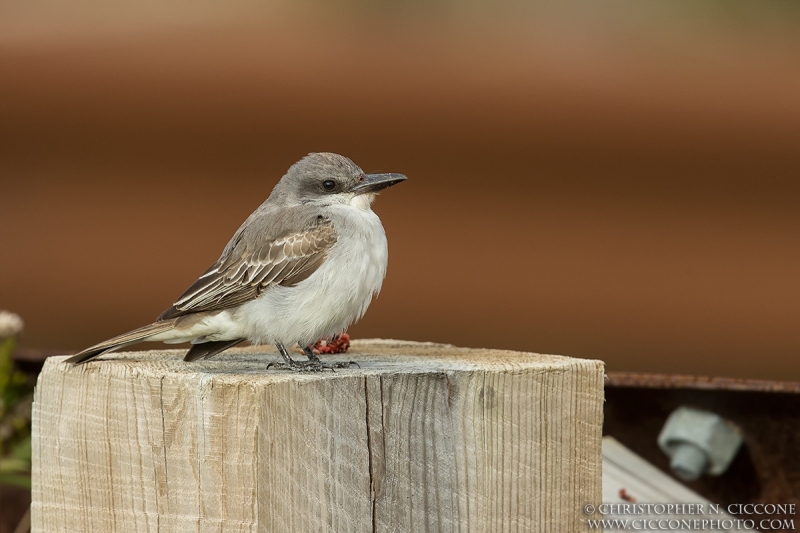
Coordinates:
377	182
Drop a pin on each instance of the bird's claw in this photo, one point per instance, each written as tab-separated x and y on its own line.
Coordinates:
311	366
344	364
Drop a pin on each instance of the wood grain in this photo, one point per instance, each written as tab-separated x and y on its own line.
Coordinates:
422	437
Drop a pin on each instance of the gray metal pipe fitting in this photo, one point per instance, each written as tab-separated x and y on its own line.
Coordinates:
699	442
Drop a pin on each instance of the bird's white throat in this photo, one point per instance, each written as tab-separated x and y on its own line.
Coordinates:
362	201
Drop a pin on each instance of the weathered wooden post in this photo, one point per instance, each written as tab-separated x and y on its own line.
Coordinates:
423	437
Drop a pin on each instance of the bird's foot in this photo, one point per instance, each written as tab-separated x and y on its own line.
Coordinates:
311	366
312	358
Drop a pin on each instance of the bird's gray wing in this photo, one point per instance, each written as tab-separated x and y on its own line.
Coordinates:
255	260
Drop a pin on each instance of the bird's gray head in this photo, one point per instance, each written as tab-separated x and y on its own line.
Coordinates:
329	179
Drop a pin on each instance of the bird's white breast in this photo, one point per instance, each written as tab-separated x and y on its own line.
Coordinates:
332	298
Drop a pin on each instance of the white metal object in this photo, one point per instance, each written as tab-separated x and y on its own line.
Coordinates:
699	442
629	480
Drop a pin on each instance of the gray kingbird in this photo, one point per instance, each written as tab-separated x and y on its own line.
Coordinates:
303	267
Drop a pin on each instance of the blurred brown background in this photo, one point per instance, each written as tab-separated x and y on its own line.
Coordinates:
614	181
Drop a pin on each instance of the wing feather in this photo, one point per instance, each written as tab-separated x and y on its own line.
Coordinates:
247	269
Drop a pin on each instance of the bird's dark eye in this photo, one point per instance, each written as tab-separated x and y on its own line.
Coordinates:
329	185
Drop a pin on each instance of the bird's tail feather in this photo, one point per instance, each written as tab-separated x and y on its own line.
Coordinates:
120	341
206	350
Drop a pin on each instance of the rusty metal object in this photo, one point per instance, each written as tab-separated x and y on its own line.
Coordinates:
767	467
678	381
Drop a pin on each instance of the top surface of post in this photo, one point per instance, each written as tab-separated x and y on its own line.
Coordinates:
374	356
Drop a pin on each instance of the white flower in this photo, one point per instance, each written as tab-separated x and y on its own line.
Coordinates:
10	324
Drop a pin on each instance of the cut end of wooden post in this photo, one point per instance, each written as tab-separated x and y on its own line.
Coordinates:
421	436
